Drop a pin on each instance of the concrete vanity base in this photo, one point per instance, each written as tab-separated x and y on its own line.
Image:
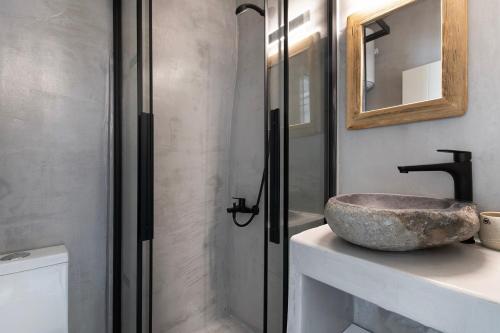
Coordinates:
451	289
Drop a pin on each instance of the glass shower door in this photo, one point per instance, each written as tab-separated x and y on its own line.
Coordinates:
277	112
309	110
299	110
199	273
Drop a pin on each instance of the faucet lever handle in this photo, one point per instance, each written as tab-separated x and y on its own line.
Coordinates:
241	202
458	155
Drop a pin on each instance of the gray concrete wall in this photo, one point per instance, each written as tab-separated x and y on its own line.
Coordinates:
194	80
368	158
54	117
415	40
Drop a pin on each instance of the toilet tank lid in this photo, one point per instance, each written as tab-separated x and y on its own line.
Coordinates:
32	259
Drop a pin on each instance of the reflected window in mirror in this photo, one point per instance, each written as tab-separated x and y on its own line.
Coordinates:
305	101
306	84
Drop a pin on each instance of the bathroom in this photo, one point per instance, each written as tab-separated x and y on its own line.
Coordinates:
131	132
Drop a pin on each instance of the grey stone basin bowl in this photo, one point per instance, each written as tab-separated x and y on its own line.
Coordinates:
393	222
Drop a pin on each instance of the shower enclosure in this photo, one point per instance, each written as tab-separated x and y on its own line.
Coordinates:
239	92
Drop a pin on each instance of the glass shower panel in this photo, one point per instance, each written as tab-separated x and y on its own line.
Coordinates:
130	142
308	43
308	109
208	70
298	91
276	245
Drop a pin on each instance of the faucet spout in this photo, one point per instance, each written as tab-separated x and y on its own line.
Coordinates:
460	170
446	167
403	169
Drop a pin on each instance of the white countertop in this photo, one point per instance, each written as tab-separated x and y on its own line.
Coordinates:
454	288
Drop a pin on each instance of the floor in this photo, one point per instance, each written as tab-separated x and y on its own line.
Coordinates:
229	325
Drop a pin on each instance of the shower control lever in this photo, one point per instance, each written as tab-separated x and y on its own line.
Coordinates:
241	207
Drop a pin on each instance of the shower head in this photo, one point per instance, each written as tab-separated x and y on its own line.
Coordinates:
247	6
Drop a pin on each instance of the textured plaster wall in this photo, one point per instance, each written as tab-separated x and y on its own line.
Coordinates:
195	63
54	136
368	158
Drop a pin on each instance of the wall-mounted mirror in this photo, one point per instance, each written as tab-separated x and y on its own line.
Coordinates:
407	61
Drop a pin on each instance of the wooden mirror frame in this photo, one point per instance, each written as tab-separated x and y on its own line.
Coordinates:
453	102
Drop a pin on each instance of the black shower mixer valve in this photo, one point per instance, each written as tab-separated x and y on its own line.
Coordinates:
241	207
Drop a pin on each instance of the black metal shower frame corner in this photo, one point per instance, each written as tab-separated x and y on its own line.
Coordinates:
286	163
266	187
117	166
331	116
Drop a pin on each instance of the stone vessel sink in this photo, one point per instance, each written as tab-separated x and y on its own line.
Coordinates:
393	222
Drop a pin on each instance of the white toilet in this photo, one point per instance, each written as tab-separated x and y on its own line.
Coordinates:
34	291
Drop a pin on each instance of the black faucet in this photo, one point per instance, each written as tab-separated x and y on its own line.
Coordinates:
460	170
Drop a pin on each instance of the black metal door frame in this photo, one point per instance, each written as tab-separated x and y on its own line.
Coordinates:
145	187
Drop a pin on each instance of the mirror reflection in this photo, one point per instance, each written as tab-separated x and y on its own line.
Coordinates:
403	56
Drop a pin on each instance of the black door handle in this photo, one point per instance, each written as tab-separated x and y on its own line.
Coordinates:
274	173
146	221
